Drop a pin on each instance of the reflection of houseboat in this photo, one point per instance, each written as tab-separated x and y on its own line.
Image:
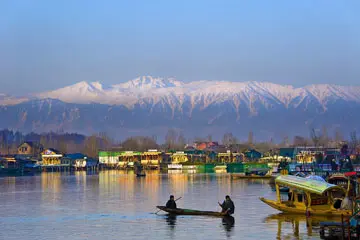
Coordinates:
128	158
307	196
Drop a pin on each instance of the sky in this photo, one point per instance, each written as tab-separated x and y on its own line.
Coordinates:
45	45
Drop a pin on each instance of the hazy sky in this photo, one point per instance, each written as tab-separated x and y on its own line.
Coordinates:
50	44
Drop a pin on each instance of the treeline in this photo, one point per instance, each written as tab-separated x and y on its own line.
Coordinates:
174	140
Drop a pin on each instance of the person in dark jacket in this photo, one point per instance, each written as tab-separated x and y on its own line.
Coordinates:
171	203
227	206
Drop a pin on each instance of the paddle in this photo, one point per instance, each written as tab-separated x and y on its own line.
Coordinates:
175	201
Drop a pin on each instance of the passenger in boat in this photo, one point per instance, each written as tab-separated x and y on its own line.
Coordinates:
227	206
171	203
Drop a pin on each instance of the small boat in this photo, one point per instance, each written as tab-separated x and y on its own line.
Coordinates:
140	174
180	211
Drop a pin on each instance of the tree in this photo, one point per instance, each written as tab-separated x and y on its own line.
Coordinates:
338	136
353	140
250	138
299	141
170	138
229	139
324	141
315	137
91	146
181	141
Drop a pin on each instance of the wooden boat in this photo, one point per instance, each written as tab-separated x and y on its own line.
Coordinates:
307	196
180	211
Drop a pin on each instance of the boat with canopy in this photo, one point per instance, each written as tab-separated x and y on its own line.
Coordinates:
308	196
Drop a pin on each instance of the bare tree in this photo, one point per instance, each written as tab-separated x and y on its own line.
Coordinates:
299	141
353	140
250	138
229	139
170	138
181	141
324	140
315	137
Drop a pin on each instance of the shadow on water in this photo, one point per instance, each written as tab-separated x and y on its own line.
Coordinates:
228	224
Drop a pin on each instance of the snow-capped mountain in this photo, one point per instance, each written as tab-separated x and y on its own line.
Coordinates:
147	103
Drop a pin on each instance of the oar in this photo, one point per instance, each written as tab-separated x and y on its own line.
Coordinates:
175	201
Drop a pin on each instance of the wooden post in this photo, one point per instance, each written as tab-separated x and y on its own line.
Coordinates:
342	227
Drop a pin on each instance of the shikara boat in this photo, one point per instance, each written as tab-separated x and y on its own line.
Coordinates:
180	211
140	174
307	196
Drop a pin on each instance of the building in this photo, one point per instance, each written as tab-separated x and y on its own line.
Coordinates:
127	159
252	155
204	145
52	157
109	158
152	158
80	161
30	148
179	157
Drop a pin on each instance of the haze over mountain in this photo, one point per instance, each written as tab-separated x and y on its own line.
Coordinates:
150	106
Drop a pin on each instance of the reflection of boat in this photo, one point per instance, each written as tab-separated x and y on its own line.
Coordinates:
180	211
253	176
296	221
307	196
286	217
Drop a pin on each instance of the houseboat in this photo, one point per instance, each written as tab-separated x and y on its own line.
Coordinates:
151	159
307	196
128	158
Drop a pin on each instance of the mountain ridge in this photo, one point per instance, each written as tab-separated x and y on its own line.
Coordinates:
149	106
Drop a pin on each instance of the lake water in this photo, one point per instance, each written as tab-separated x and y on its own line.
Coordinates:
117	205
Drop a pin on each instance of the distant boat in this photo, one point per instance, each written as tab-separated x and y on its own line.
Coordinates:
140	174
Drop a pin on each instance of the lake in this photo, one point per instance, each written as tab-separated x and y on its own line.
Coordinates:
116	205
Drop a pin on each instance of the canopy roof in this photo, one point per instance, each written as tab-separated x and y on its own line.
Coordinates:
307	185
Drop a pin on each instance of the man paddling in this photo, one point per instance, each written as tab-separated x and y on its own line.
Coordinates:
227	206
171	203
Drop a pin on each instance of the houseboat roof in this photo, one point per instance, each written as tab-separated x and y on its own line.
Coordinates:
307	185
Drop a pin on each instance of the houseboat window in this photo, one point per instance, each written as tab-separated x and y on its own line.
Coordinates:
300	197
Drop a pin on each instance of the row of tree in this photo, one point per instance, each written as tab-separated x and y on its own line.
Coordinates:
174	140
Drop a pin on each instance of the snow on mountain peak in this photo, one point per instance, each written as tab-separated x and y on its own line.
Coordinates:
173	93
148	82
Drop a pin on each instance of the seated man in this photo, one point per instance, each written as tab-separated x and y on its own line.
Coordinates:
227	206
171	203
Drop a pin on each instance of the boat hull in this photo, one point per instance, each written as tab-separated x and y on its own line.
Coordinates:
299	210
180	211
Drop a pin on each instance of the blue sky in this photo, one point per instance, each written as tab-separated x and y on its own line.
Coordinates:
49	44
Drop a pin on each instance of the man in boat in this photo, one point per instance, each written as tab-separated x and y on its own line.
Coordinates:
171	203
227	206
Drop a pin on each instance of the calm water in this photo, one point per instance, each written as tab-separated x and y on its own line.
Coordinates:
116	205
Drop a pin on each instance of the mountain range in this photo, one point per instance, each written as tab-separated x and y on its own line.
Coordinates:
150	106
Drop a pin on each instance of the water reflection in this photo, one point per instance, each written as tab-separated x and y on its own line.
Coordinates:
171	221
228	224
297	225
